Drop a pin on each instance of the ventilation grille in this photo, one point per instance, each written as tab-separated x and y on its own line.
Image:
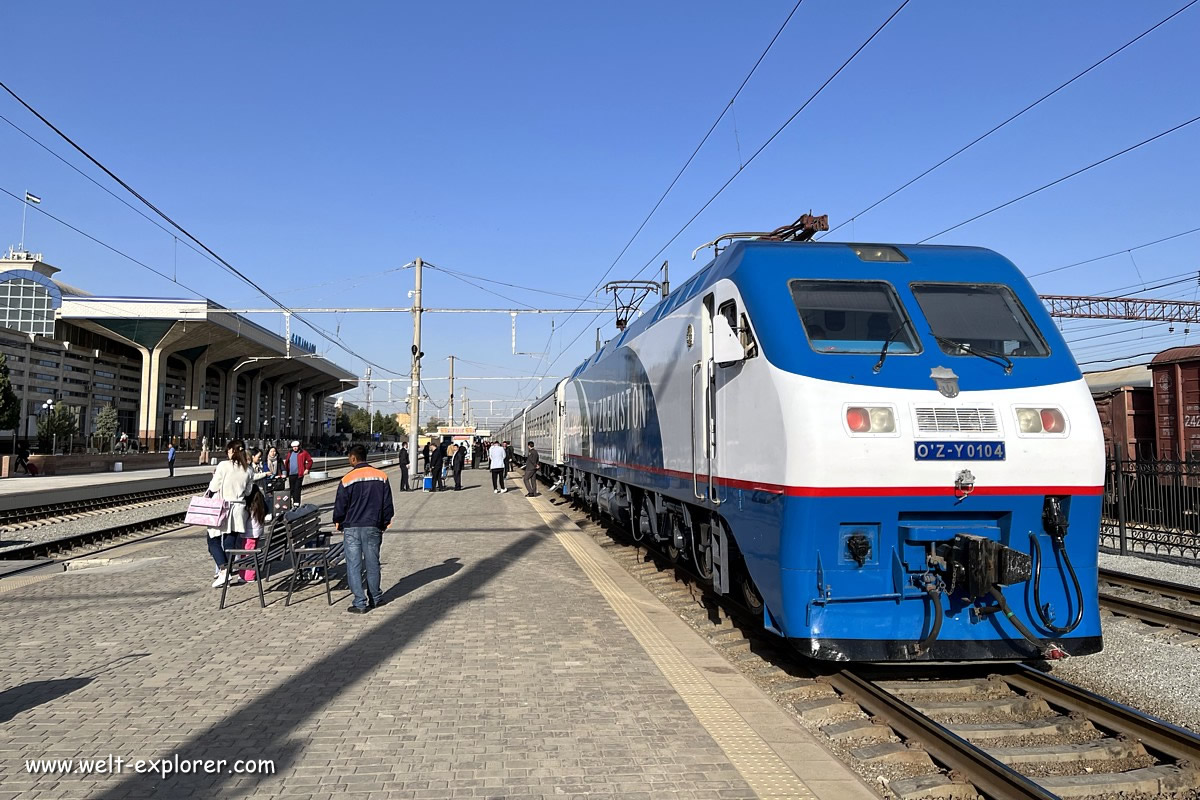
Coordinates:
957	420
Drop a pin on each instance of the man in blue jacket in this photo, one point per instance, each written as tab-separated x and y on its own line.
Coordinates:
363	511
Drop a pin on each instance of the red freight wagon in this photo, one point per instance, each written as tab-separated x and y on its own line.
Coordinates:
1176	375
1124	400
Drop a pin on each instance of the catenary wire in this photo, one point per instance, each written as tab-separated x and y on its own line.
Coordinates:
1013	118
741	168
1116	253
225	264
1066	177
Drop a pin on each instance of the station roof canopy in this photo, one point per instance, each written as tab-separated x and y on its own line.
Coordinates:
188	326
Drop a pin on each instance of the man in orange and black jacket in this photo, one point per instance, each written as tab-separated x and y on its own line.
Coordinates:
363	511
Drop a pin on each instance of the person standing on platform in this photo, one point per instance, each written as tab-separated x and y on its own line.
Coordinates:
203	451
497	460
424	465
363	511
404	468
273	463
532	461
508	457
232	482
456	466
171	461
437	460
296	466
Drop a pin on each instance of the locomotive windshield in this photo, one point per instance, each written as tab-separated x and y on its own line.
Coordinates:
853	317
979	317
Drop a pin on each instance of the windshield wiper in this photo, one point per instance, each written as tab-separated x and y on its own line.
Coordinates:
986	355
883	353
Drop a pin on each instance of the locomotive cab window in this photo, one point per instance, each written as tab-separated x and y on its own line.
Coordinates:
985	318
853	317
740	325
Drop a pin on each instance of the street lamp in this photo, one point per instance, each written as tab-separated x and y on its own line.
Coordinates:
48	408
237	427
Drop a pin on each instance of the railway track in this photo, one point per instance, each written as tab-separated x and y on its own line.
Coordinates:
97	541
951	731
1156	602
27	517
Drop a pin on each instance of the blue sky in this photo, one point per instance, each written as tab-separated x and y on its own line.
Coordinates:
321	146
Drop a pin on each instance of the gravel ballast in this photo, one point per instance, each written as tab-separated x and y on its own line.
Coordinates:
1148	568
1149	668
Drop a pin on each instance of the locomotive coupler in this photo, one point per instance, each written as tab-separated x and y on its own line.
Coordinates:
975	564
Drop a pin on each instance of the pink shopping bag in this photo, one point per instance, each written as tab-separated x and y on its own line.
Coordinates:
211	512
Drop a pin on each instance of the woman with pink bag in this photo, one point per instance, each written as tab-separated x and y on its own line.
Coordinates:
232	482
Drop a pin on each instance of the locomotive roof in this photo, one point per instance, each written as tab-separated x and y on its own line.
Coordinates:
833	255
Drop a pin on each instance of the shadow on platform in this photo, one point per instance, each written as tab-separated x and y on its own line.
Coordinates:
269	720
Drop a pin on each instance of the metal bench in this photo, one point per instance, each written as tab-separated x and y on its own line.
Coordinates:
310	549
272	548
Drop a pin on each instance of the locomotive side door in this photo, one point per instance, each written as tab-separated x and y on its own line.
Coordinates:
701	403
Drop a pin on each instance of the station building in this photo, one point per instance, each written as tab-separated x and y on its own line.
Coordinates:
172	368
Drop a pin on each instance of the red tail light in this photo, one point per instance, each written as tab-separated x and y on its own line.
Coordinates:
1053	421
858	420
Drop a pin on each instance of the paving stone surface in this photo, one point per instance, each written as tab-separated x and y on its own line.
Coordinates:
494	670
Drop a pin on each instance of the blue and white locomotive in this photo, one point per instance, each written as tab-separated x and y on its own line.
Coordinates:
887	449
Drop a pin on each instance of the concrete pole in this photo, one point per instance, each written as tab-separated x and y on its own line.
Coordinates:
415	387
451	406
370	419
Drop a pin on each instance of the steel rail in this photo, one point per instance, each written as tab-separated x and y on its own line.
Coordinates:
1177	590
991	777
54	547
48	512
1156	734
1148	613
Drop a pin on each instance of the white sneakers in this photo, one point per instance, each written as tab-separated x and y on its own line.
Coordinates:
236	580
495	491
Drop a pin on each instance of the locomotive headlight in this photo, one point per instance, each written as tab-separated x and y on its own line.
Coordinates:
1041	420
870	419
882	420
1029	420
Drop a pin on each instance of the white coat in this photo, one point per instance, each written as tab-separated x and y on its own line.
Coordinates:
232	483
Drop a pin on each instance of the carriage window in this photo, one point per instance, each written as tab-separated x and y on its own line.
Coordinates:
985	318
853	317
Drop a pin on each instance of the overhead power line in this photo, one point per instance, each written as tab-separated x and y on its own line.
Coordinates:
1013	118
1115	253
1066	177
331	337
653	259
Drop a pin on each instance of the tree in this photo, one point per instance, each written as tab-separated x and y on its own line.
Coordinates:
343	423
401	431
60	423
377	422
432	425
10	405
105	424
360	422
387	425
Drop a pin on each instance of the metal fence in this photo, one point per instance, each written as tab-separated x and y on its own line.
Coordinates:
1152	506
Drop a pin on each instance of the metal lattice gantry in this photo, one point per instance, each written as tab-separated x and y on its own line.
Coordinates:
1131	308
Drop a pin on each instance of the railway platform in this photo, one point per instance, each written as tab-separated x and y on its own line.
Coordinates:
512	658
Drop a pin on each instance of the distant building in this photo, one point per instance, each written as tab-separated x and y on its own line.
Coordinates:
171	367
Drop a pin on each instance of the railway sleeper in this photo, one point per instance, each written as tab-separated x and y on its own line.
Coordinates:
892	753
1159	781
933	785
1048	759
998	709
955	688
1027	732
